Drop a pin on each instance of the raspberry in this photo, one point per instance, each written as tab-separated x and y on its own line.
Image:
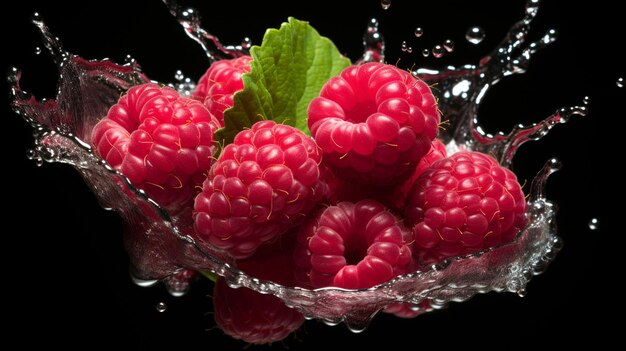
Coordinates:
464	204
352	245
262	183
161	141
374	123
398	196
250	316
408	310
339	190
220	82
273	260
179	282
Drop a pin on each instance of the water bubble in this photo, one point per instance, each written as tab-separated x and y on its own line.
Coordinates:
385	4
521	292
448	45
161	307
419	32
513	285
438	51
620	82
586	100
37	50
409	49
475	35
593	224
425	52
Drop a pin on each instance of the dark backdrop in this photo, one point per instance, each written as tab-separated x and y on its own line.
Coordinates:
65	270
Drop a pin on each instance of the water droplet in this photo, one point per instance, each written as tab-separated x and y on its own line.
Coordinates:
620	82
37	50
246	43
179	75
129	60
586	100
372	27
385	4
593	224
438	51
144	283
425	52
190	16
406	48
475	35
448	45
419	32
161	307
36	17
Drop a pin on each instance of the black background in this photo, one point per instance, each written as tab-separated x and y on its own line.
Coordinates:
65	269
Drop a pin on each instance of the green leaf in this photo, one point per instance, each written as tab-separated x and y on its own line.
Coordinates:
209	275
287	71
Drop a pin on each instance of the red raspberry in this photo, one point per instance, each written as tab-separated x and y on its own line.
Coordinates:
250	316
374	123
352	245
408	310
464	204
262	183
398	196
179	282
161	141
220	82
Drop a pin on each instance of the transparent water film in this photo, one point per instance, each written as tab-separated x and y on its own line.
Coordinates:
159	244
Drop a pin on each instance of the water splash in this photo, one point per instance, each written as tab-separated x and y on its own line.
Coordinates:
157	242
373	44
460	91
184	85
190	20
